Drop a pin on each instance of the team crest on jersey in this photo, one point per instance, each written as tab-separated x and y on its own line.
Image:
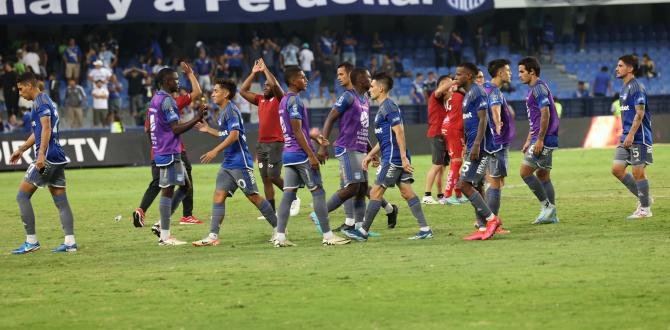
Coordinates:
365	119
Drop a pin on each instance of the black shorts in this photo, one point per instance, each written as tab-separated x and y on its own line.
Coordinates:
439	150
269	155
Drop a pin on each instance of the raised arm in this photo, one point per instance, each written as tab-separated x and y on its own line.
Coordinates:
246	85
188	71
276	86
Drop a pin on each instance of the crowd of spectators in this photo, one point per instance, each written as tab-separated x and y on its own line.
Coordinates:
95	79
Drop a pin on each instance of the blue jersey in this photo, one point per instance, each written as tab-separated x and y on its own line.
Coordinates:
388	116
496	97
475	101
633	93
236	155
44	107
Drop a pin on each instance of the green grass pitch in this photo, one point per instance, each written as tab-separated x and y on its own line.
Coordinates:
594	270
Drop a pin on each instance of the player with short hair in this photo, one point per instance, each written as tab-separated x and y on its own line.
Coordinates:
499	119
301	166
351	110
396	167
542	139
635	146
185	197
438	147
478	139
237	168
480	80
48	169
165	133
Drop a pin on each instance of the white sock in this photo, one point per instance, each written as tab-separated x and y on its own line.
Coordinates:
363	231
213	236
281	237
32	239
349	221
165	234
328	235
388	208
358	225
69	240
426	228
490	217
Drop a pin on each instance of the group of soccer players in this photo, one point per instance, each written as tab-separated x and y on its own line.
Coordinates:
477	119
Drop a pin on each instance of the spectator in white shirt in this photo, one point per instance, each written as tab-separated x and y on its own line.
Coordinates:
99	73
32	60
100	103
306	60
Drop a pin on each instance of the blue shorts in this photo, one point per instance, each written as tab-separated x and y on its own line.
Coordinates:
388	175
229	180
474	171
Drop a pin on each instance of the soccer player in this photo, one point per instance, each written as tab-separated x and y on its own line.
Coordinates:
635	146
47	170
478	139
165	130
396	168
499	119
237	169
301	167
452	129
270	136
480	80
186	197
352	111
438	147
542	139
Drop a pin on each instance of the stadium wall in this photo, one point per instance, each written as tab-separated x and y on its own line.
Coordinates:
103	149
